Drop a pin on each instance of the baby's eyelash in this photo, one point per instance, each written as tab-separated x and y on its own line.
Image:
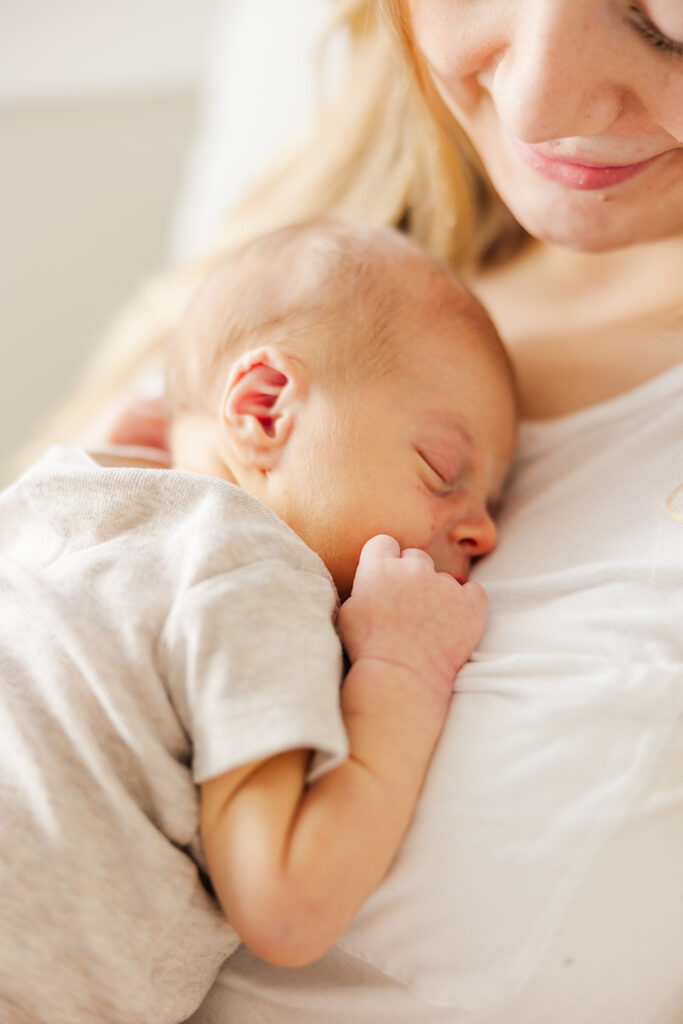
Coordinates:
433	468
653	35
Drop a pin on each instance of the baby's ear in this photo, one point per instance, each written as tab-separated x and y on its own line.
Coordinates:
259	405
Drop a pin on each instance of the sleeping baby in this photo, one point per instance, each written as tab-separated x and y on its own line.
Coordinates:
180	768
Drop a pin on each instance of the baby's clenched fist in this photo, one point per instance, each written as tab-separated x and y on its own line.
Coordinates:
403	612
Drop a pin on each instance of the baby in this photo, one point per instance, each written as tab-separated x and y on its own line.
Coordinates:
179	769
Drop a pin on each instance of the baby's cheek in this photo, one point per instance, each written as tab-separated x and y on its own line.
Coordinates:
427	519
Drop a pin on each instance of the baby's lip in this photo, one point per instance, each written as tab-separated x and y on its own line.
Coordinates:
460	578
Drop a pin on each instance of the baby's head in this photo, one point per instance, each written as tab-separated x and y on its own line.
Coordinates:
353	385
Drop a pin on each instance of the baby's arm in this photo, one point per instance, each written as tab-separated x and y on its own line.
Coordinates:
292	864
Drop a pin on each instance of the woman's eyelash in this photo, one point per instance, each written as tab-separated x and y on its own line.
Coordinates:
653	35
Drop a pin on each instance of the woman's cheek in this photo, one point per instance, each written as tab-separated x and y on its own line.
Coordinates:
459	45
442	35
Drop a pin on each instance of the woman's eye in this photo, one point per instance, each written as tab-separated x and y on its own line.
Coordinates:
653	35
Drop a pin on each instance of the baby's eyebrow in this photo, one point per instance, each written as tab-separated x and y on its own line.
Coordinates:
452	423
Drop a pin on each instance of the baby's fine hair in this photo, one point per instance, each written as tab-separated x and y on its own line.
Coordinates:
329	293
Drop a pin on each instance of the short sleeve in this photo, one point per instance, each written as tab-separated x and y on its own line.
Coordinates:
254	667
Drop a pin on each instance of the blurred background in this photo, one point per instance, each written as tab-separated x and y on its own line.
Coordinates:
126	128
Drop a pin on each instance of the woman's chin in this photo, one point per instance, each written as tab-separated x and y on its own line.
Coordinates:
572	236
598	225
594	221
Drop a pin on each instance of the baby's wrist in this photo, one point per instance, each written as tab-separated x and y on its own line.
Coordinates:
393	722
386	687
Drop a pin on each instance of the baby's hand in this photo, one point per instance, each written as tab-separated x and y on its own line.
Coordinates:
402	612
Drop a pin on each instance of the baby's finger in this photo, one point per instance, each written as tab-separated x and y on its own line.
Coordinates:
449	576
476	594
417	555
379	547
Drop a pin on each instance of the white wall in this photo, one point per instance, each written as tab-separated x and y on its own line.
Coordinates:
59	49
127	127
97	104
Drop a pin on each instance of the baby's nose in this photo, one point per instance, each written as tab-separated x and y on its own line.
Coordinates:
475	534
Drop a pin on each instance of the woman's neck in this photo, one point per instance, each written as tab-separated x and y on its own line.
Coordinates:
584	327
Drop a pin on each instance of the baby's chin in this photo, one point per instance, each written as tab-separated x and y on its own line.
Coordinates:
343	587
342	571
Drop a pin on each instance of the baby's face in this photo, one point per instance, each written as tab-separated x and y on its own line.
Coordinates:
421	454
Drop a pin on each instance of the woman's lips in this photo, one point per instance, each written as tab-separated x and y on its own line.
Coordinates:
576	175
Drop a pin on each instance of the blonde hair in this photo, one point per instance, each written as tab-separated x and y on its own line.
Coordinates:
381	151
675	507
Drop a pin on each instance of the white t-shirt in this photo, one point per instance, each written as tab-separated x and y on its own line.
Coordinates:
542	879
157	628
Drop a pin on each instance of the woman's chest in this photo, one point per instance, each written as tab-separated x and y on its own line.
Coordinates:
578	335
570	365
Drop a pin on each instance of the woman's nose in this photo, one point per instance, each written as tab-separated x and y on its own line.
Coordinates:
556	77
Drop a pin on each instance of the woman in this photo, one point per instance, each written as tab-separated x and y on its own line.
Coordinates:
541	882
542	879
